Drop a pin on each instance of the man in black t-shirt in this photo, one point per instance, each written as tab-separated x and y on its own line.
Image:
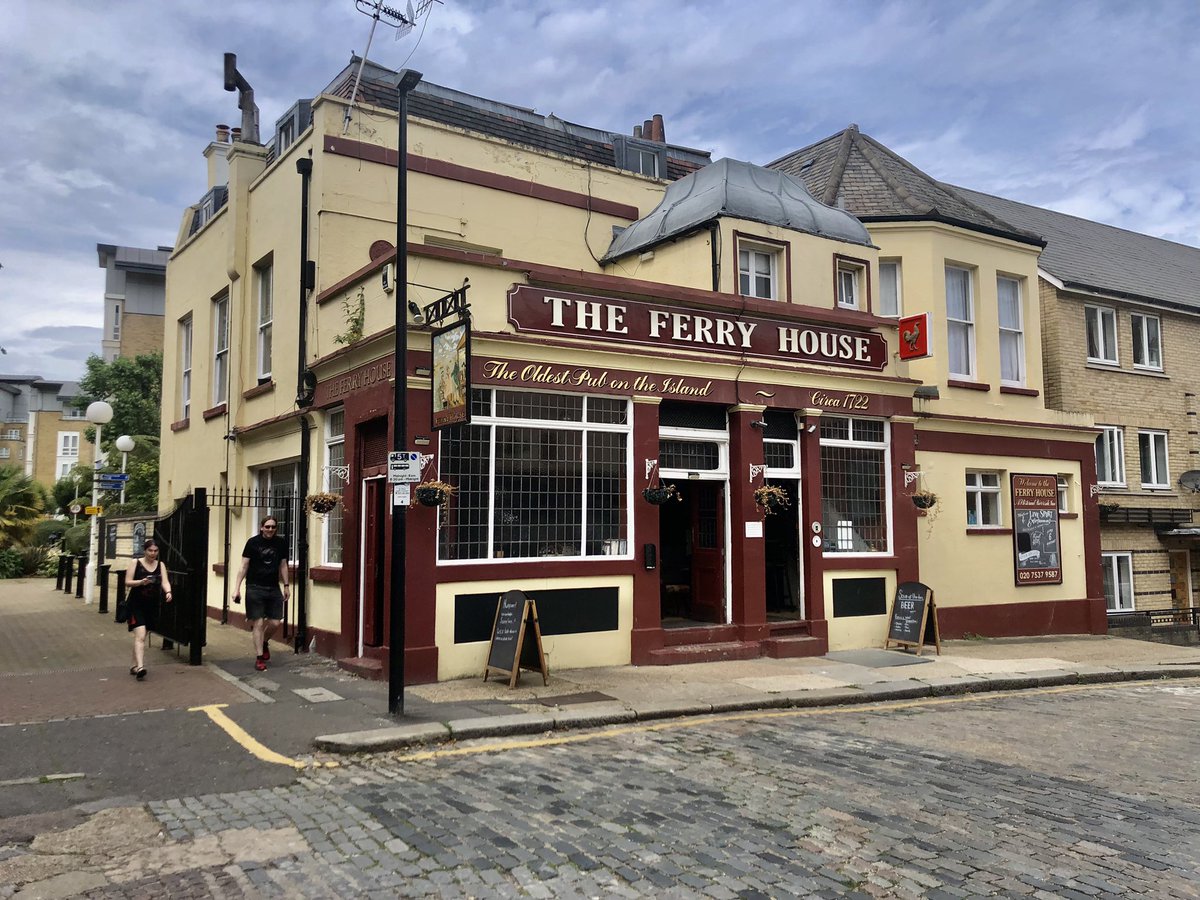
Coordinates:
265	562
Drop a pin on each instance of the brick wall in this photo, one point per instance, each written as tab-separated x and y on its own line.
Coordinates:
141	334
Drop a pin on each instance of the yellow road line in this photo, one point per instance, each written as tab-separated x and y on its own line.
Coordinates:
694	721
249	743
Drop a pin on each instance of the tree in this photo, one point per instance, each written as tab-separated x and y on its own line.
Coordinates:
134	388
22	501
77	483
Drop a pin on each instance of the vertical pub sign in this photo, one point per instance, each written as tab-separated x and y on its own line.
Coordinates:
1038	552
452	374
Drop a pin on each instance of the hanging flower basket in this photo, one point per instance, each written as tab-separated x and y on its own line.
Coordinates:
322	503
434	493
924	499
657	496
771	498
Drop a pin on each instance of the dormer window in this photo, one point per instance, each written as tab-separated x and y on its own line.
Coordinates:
758	272
644	157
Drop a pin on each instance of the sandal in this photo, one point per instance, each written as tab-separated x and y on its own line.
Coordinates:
141	673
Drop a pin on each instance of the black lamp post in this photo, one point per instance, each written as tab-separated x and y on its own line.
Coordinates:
407	81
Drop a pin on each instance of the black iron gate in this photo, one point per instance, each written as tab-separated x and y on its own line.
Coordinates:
182	538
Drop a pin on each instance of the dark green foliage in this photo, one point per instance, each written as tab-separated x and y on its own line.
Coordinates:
76	539
10	563
49	532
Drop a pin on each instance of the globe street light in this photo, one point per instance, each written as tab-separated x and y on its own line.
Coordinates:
99	414
125	444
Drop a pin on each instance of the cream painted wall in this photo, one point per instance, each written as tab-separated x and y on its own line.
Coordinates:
564	651
855	632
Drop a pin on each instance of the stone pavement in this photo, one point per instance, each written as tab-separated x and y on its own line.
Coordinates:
60	659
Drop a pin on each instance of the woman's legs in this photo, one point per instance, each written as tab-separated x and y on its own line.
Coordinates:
139	647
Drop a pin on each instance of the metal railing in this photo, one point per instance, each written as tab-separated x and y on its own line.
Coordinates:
1172	615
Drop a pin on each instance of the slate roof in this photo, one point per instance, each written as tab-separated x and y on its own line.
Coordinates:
514	124
857	173
1096	257
741	190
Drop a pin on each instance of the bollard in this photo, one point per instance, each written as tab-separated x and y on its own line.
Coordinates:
120	587
102	573
69	578
79	577
61	575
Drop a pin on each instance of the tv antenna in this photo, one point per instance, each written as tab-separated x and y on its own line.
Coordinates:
402	22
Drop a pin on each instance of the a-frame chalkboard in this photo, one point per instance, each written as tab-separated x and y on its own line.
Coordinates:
516	639
914	618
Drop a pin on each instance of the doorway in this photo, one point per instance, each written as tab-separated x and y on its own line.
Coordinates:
692	546
1181	579
781	534
371	556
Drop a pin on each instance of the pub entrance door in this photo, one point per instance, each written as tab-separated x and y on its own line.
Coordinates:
782	536
371	590
692	543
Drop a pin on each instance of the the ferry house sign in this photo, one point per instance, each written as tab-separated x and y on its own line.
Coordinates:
562	313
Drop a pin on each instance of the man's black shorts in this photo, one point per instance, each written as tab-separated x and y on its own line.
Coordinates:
264	601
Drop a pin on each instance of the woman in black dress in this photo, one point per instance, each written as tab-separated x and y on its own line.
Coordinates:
144	578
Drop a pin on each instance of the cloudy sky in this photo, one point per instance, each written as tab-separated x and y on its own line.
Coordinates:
1088	107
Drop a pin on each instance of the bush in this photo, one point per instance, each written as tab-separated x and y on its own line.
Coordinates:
76	539
11	563
49	566
49	532
32	559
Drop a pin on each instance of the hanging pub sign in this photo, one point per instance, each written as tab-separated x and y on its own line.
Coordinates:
914	336
565	314
1036	548
452	374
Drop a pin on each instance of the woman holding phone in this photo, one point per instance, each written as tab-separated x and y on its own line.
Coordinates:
145	578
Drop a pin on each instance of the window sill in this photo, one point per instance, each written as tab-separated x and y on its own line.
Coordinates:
218	410
987	529
1063	515
265	388
969	385
1116	369
326	574
1021	391
181	425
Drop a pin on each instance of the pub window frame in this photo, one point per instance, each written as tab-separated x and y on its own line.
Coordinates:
839	530
335	520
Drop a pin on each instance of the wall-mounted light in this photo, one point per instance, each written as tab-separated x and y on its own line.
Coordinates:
415	312
811	429
761	423
423	371
927	392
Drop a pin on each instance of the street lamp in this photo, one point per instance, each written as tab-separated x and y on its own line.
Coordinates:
99	414
125	444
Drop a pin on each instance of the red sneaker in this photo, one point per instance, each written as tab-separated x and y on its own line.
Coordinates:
260	664
266	657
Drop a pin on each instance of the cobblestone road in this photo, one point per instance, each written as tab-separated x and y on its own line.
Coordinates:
1072	793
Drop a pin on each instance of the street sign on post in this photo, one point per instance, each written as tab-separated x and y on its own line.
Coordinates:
94	511
404	467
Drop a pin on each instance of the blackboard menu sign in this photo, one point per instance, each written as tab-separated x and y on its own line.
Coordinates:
914	618
516	639
1037	555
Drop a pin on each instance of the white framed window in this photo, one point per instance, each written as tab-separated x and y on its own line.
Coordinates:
1152	451
335	483
538	474
983	500
1147	341
644	162
220	378
855	484
1064	493
1012	330
4	453
960	322
116	329
1101	322
64	469
758	272
185	366
266	314
277	487
1110	456
68	444
1118	581
12	435
850	287
889	288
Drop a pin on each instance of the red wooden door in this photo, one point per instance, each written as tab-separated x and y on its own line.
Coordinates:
708	551
372	601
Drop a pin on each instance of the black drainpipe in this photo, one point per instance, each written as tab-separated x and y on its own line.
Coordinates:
305	386
714	234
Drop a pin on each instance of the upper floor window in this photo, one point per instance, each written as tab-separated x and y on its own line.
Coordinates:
266	314
12	434
116	329
220	379
983	499
4	453
960	322
185	366
758	272
1152	450
68	443
851	279
1012	331
644	162
1147	341
1101	334
889	288
1064	493
1110	456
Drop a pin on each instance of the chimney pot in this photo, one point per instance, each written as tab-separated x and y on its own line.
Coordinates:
222	134
637	131
236	134
659	133
648	130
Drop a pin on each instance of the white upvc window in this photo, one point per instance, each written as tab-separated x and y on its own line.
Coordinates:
983	500
889	288
758	272
960	322
185	366
644	162
850	289
68	444
335	483
1064	493
116	330
1012	331
1101	324
1118	581
1110	456
1147	341
1152	450
220	379
266	313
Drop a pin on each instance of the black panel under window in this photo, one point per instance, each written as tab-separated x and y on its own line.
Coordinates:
859	597
565	611
781	424
677	414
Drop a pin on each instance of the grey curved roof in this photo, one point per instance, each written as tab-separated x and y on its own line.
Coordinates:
739	190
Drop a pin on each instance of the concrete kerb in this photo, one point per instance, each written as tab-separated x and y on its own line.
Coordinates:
406	736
